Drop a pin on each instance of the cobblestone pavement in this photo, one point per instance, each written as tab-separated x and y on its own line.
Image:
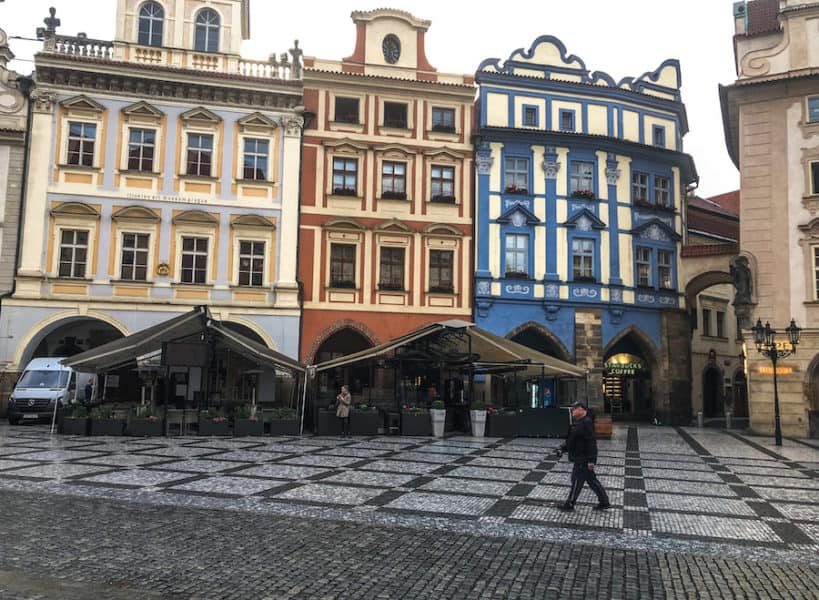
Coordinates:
696	514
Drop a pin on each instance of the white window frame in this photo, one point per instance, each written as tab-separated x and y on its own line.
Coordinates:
208	28
152	20
142	146
95	149
265	249
121	251
268	162
74	246
451	252
642	258
189	148
586	258
517	253
669	267
403	282
812	100
580	181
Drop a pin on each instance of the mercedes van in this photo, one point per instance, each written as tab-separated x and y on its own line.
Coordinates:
43	383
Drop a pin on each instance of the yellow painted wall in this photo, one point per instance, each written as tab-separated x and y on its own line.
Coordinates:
598	120
497	110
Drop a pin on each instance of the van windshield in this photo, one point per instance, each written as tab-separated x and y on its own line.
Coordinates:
43	379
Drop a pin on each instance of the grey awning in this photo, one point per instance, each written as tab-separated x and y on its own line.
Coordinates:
126	350
491	352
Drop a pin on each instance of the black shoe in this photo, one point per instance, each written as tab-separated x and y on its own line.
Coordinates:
566	506
602	506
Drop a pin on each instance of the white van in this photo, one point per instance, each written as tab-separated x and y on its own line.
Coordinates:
44	382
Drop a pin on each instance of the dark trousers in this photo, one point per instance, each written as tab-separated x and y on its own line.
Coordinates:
580	475
345	425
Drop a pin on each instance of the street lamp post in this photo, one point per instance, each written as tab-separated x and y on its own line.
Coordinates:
765	340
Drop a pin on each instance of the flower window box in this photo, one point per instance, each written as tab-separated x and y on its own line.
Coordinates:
393	195
441	289
343	284
344	191
513	189
584	194
442	199
439	128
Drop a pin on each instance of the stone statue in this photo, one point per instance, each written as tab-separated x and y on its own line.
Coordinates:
741	274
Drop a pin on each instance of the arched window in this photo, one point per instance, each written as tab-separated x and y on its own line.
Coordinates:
151	22
207	31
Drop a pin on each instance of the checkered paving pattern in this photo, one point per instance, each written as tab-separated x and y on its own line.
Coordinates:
674	486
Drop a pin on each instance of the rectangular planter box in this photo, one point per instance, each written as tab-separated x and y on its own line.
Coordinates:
501	425
544	422
72	426
144	428
365	423
246	427
207	427
416	424
328	423
107	426
283	427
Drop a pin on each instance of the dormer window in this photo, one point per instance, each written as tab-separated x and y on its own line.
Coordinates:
151	22
206	37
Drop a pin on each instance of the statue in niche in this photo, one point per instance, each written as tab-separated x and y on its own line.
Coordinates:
741	274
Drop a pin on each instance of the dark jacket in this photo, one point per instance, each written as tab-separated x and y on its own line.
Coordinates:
580	443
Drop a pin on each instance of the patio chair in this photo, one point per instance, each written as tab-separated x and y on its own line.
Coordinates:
175	418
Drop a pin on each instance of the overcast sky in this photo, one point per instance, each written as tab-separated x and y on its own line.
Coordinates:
622	38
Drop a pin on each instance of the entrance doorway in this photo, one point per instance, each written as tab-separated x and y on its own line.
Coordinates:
627	379
357	376
712	392
740	394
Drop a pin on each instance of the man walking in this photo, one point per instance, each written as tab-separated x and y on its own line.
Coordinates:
582	448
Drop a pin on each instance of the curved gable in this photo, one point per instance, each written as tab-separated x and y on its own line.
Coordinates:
196	217
136	213
75	209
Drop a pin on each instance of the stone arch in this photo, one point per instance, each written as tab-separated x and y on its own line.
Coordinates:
811	384
702	282
643	341
360	328
41	330
259	334
551	337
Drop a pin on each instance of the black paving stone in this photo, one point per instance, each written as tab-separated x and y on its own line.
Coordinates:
534	476
520	489
633	483
385	498
743	491
502	508
638	499
790	533
763	509
636	519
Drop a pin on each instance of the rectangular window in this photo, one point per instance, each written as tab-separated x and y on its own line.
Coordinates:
392	269
443	184
567	120
443	119
644	267
200	154
816	272
134	257
662	192
194	260
141	145
255	159
658	134
814	178
530	116
516	175
706	322
81	138
517	256
582	259
581	177
342	265
345	176
394	180
440	271
720	324
813	109
73	252
251	263
639	187
346	110
664	269
395	115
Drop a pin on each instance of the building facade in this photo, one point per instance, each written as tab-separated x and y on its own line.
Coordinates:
163	174
386	216
580	194
711	242
771	120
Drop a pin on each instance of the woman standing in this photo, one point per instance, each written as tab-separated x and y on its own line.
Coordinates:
344	401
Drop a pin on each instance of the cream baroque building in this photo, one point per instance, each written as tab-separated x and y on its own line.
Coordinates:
771	119
163	174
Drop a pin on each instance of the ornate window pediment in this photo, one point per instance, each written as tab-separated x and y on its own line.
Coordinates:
196	217
75	209
442	229
344	224
444	154
394	151
255	122
143	110
200	115
256	221
136	213
655	230
345	146
82	103
585	220
394	226
519	216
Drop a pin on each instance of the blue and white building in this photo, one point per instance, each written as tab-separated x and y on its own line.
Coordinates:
580	209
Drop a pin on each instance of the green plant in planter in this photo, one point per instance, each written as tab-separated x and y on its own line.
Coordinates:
244	412
284	414
147	412
438	404
215	415
102	412
365	408
78	411
414	410
478	405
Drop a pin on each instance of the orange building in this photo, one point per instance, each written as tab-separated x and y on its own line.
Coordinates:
386	206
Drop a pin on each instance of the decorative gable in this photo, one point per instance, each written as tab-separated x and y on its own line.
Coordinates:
82	103
256	122
393	226
440	229
655	230
196	217
143	110
255	221
585	220
136	213
75	209
518	215
344	224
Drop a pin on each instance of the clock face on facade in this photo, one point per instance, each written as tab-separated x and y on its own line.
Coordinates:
391	48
